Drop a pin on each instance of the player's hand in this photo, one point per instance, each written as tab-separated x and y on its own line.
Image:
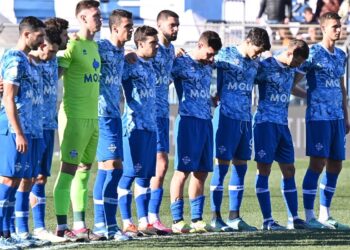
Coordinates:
180	52
347	127
215	100
21	143
131	57
74	36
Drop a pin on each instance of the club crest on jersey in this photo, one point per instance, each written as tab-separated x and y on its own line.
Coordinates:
319	146
261	153
73	153
84	52
186	160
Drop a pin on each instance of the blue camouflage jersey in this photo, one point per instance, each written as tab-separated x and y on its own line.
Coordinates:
38	100
139	87
112	64
162	64
15	69
49	75
235	81
192	82
323	72
275	82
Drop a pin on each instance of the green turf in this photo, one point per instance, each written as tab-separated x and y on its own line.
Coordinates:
250	212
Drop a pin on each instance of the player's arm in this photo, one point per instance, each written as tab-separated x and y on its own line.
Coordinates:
345	105
10	91
297	90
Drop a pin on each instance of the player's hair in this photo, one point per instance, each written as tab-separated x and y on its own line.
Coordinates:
212	39
308	9
300	48
329	16
143	32
259	38
165	14
117	15
52	35
59	23
86	4
30	23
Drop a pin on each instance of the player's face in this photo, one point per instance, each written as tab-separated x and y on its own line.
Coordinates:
92	19
206	54
296	61
332	29
34	39
254	51
47	51
64	38
125	29
149	47
169	28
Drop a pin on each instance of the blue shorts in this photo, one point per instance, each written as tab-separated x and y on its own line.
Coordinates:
110	142
162	134
46	159
273	141
13	163
193	144
233	138
326	139
140	150
37	150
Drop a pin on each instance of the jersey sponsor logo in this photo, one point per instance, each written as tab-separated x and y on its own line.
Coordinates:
162	80
240	86
93	78
332	83
112	80
195	93
279	98
29	94
50	90
38	100
147	93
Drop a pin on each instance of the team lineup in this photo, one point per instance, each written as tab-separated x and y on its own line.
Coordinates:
132	146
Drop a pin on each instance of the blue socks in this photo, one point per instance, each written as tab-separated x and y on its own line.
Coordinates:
236	186
5	192
155	201
310	188
216	187
124	196
99	214
110	198
177	210
142	196
327	188
290	196
197	205
38	210
263	194
22	211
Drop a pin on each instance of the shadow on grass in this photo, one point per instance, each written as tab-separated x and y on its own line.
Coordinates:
258	239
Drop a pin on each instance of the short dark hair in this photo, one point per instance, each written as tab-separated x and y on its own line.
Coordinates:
59	23
86	4
308	9
30	23
212	39
259	38
329	16
117	15
52	35
165	14
300	48
143	32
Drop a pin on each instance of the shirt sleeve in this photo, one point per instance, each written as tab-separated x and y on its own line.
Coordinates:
14	71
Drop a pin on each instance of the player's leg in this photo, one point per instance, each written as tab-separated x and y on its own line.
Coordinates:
265	145
330	176
224	148
317	150
161	170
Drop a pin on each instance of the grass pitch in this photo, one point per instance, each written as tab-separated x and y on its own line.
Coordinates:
250	211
